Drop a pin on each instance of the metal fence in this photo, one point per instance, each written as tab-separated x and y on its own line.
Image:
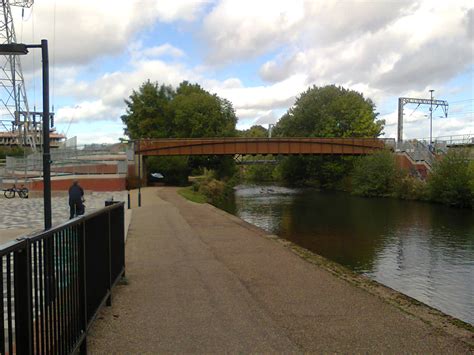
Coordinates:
55	282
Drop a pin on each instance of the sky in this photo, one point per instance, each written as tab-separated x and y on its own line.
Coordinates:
259	54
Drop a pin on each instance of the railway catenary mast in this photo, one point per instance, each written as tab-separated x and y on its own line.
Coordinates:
15	118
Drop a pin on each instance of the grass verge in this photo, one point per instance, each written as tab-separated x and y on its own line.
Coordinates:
189	194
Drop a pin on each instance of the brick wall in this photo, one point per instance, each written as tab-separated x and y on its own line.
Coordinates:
89	183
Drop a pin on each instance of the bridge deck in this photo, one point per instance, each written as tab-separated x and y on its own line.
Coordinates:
243	146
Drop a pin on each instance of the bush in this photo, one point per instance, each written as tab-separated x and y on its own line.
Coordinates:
292	170
318	171
408	187
259	173
375	175
452	180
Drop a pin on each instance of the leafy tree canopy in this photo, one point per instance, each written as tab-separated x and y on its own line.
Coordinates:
256	131
330	111
159	111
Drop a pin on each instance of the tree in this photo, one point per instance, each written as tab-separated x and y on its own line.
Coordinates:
197	113
148	113
328	111
159	111
256	131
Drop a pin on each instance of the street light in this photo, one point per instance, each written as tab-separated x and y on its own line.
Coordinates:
22	49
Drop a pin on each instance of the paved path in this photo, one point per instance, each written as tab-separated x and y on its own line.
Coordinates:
202	281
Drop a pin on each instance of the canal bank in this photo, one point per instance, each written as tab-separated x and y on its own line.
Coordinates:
201	280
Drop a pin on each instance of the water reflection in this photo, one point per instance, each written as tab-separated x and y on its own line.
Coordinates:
425	251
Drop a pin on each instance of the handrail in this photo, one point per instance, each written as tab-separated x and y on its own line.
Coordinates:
56	281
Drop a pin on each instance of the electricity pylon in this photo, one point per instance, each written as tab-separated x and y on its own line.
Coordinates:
14	111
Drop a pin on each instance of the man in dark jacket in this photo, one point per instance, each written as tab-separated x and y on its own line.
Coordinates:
76	197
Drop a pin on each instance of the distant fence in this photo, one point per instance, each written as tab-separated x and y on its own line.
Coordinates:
55	282
67	161
459	139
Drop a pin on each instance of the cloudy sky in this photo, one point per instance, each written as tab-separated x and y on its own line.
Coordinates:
259	54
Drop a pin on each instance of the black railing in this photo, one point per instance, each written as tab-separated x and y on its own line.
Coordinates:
55	282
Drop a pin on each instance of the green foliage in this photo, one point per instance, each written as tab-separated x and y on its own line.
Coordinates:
256	131
223	166
375	175
174	169
148	113
197	113
292	170
452	179
216	191
322	171
259	173
11	151
328	111
159	111
408	187
190	194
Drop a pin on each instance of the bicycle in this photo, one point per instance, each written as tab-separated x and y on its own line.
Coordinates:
21	191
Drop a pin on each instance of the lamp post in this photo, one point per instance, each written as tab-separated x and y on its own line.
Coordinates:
22	49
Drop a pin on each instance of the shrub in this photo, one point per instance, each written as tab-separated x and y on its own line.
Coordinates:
259	173
451	180
375	174
409	187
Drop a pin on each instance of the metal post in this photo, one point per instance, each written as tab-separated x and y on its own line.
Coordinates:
431	117
23	297
139	180
46	151
400	120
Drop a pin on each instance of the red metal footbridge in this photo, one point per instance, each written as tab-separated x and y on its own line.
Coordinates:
254	146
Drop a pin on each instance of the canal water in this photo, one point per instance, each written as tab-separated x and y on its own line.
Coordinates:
423	250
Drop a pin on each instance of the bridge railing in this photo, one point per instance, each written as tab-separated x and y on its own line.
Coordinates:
459	139
54	282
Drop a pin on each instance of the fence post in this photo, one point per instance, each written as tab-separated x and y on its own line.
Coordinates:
82	288
23	303
109	259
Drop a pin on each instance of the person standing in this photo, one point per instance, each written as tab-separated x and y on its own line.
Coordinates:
76	199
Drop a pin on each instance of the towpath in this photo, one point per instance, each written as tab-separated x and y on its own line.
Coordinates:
202	281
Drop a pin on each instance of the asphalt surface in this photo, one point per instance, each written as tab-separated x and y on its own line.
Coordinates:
202	281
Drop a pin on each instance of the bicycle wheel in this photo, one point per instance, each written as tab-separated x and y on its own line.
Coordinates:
9	193
23	193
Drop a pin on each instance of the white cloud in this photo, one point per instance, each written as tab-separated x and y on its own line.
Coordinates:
87	111
382	49
269	117
163	50
242	29
389	46
82	31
